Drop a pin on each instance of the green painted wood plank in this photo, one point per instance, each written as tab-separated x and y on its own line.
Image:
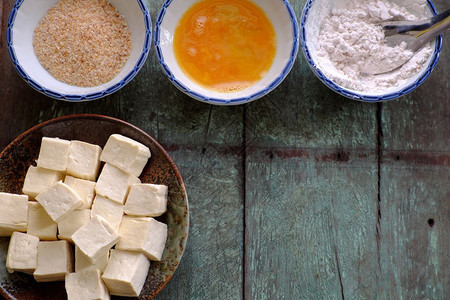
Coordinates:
311	198
324	120
415	236
212	264
420	120
189	122
310	225
414	239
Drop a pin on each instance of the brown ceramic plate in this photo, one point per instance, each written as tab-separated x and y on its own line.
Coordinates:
23	151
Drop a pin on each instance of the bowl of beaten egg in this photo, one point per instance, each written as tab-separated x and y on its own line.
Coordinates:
226	52
78	50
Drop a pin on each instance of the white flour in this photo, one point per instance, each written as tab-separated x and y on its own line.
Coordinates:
350	42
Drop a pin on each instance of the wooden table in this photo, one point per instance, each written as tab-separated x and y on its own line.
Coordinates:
302	194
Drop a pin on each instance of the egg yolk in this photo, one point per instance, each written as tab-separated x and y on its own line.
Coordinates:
225	45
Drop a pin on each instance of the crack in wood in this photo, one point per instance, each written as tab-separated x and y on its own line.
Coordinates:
339	271
379	147
244	184
208	123
336	256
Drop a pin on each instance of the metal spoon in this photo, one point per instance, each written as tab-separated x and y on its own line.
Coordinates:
415	34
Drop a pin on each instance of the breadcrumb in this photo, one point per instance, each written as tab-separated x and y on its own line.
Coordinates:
83	42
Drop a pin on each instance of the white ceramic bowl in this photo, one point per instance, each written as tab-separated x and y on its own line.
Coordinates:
315	11
281	15
24	18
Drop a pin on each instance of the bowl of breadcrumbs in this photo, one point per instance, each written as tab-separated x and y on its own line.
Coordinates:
78	50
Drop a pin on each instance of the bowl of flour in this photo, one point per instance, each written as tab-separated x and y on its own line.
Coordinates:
340	38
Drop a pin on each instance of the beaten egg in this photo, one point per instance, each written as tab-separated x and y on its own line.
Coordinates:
225	45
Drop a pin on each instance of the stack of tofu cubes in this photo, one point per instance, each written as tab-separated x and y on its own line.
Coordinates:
64	205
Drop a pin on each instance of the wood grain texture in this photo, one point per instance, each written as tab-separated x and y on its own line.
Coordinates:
304	113
212	264
420	121
414	194
311	226
312	193
415	236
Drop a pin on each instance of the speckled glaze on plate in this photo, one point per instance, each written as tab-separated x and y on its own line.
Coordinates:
23	151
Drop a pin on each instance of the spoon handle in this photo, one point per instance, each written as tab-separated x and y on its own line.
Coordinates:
414	34
427	35
412	27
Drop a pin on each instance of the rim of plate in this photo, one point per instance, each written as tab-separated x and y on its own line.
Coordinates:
82	97
213	100
360	96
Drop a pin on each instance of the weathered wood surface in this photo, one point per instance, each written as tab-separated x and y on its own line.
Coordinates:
414	189
302	194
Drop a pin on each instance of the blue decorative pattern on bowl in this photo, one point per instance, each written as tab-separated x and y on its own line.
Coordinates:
78	97
219	100
360	96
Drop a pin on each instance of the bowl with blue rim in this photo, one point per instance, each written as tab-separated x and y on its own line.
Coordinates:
25	17
313	15
278	12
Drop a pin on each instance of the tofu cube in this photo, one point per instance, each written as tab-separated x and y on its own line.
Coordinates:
111	211
82	261
125	273
71	223
144	235
38	180
83	160
13	213
146	200
59	200
53	154
126	154
40	224
84	188
114	183
54	261
86	284
22	253
95	238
